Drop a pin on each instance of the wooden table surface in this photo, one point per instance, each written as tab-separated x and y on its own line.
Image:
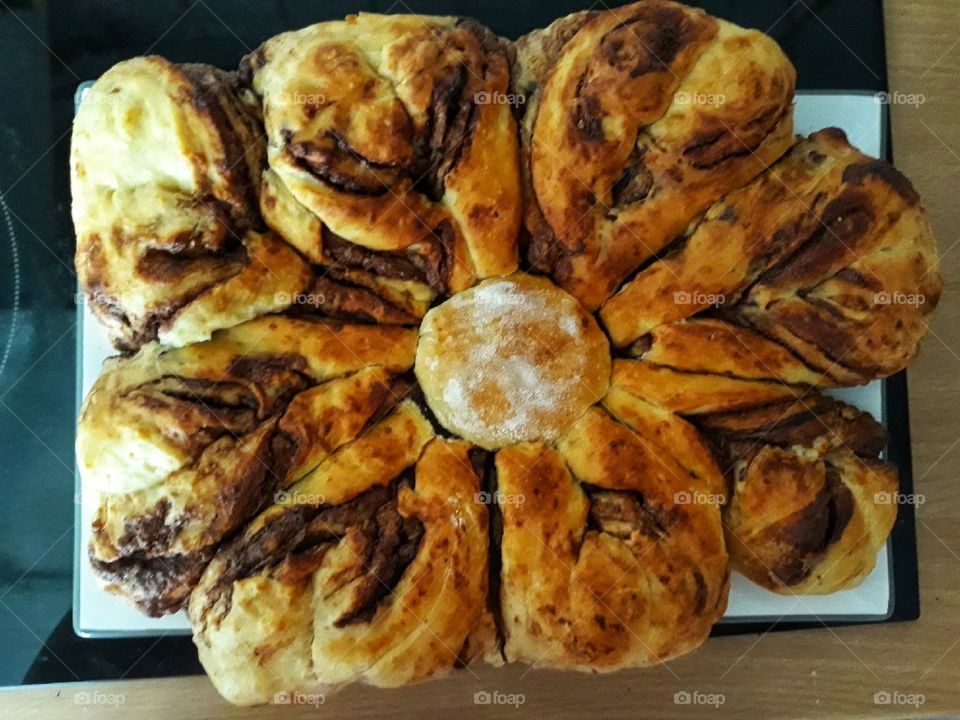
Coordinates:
797	674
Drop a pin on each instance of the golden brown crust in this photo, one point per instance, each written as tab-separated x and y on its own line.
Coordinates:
798	524
668	435
649	114
390	145
622	575
690	393
165	171
272	276
710	345
855	300
355	283
811	505
183	446
147	415
149	545
829	254
385	587
810	419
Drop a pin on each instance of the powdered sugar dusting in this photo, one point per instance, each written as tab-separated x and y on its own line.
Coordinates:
510	362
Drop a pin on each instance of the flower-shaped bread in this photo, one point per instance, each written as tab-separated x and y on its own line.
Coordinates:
537	356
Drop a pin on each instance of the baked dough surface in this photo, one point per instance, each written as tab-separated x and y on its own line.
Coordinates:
511	360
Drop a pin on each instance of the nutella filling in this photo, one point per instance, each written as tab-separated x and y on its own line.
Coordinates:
292	545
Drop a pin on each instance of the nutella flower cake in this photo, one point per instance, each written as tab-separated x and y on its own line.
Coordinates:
439	348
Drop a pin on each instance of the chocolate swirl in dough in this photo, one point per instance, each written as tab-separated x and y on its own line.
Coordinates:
183	446
388	131
636	120
379	577
165	171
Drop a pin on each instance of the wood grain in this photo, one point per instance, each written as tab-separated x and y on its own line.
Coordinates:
797	674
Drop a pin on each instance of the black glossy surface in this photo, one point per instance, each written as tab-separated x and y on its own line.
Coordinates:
835	44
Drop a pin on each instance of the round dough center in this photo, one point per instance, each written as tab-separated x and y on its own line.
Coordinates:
511	360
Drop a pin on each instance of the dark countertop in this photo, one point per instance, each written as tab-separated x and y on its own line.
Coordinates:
50	47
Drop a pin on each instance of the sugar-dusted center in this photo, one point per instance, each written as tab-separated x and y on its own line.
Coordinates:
511	360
